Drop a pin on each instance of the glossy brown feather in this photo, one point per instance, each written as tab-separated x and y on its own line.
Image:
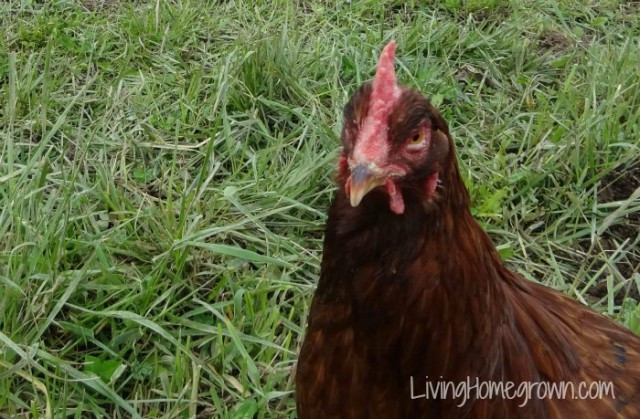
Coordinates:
424	294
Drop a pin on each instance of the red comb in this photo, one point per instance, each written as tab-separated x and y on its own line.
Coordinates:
384	83
372	145
385	90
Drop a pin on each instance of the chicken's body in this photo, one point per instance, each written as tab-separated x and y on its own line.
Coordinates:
421	296
404	299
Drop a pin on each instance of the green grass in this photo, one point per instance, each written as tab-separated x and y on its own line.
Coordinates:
165	170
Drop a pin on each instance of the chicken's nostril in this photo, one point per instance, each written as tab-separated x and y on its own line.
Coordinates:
360	174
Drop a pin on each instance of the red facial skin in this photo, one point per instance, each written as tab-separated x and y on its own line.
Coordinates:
394	167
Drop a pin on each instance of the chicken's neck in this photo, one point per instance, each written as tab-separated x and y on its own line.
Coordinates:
416	273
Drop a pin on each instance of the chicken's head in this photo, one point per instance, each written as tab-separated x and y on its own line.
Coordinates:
392	138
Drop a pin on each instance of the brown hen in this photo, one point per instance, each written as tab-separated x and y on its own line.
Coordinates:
412	293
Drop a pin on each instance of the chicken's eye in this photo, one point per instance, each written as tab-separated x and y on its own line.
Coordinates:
416	140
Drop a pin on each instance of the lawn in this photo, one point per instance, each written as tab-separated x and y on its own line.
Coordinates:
166	167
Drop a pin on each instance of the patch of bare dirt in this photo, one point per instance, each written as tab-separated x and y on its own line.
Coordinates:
553	40
99	5
499	14
618	186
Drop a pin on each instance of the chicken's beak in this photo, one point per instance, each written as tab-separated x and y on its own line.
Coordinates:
361	182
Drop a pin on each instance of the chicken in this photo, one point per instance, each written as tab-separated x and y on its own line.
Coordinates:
412	292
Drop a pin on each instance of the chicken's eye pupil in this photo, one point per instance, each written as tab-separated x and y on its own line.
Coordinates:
416	138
